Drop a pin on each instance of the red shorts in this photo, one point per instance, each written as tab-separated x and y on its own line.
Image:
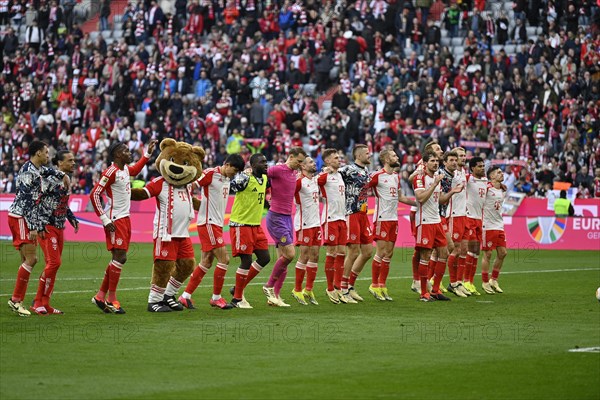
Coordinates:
386	231
309	237
413	227
493	239
247	239
119	239
52	246
474	230
20	232
211	237
176	249
444	224
359	229
458	228
430	236
334	233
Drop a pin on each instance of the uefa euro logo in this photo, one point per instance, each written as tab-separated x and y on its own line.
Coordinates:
546	230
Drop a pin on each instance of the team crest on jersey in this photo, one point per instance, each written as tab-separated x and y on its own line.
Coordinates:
352	237
164	253
331	237
53	240
425	241
306	240
119	241
220	240
489	244
455	236
383	234
243	247
283	239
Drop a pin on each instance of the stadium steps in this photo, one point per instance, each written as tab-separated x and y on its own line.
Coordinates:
117	8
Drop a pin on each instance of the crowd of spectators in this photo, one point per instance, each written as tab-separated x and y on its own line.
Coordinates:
261	76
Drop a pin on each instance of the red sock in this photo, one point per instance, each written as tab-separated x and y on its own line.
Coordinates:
114	273
440	268
330	271
460	271
415	265
252	272
37	302
344	283
104	285
468	267
423	268
375	270
485	277
300	272
240	283
50	281
352	280
473	269
311	274
339	270
196	278
431	268
452	267
22	282
385	270
495	274
218	278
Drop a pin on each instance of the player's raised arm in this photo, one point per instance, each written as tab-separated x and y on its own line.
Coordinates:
240	182
138	166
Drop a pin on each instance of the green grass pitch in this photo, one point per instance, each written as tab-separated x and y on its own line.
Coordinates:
506	346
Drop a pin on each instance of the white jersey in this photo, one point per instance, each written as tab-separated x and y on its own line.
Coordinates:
333	192
306	198
386	187
492	209
476	189
117	185
215	191
457	206
428	212
174	211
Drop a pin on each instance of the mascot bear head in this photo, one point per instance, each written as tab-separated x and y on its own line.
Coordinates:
179	163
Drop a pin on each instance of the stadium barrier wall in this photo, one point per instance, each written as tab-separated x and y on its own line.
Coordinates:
533	226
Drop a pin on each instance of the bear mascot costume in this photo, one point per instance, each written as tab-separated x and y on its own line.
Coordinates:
180	165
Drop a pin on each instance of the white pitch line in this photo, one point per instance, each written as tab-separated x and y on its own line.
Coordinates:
260	283
585	350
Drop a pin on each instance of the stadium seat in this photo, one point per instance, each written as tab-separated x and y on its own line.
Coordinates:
140	116
106	34
94	35
117	34
457	41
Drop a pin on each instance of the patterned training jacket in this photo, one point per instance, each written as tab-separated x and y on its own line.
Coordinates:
27	202
356	179
446	187
55	203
